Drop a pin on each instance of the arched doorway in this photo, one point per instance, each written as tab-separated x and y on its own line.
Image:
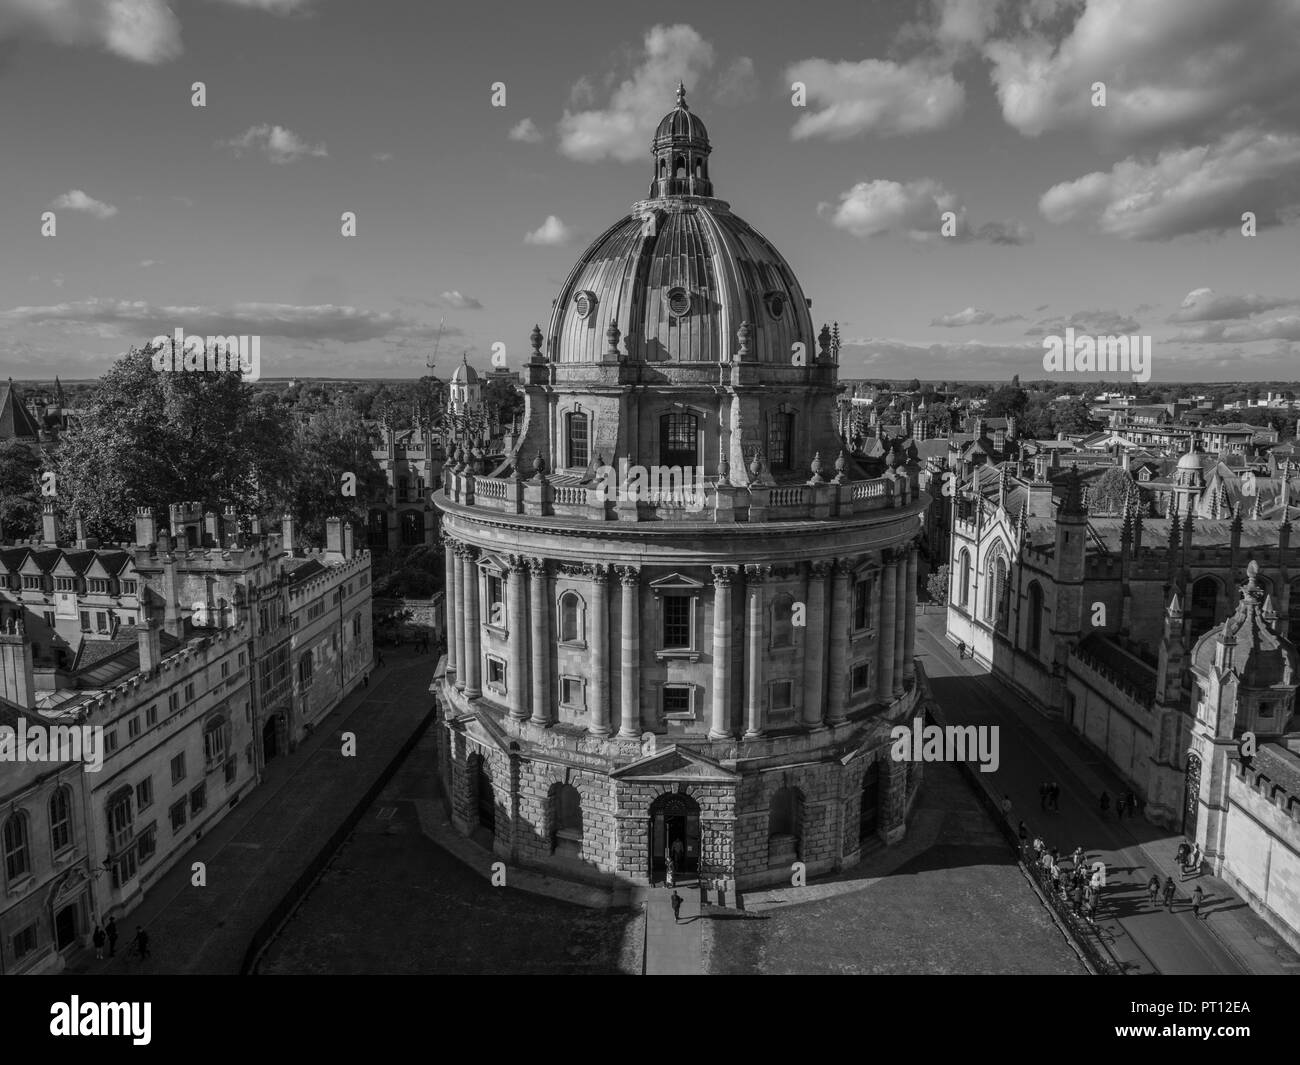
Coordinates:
270	738
1191	796
485	799
675	829
869	812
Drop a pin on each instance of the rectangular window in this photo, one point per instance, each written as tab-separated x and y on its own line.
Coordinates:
198	799
579	451
151	716
571	693
861	677
178	816
110	741
144	794
779	430
241	659
146	844
49	617
189	692
232	769
98	586
32	584
63	584
178	768
782	695
861	605
25	941
677	621
133	727
128	587
101	621
677	701
214	744
496	674
173	702
85	620
496	595
124	868
225	670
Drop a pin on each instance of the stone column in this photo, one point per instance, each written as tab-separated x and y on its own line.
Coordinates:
473	634
814	651
630	658
539	638
462	619
754	577
598	632
450	602
900	617
720	728
885	637
909	631
517	678
841	608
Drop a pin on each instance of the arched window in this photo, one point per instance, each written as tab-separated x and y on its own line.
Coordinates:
575	434
963	579
679	167
1035	617
570	623
18	857
995	585
678	440
783	621
60	819
566	820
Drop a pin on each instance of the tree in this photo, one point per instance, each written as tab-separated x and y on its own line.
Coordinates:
937	585
1073	416
20	501
1009	399
1107	494
914	385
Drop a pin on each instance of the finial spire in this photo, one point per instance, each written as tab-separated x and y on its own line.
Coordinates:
681	95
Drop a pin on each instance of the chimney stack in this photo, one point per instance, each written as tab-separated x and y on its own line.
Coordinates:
146	527
334	536
149	638
49	523
349	546
287	533
17	681
81	531
211	530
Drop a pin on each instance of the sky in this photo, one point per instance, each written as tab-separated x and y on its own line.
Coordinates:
227	218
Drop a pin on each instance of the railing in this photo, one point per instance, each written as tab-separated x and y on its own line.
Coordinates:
570	494
490	487
787	497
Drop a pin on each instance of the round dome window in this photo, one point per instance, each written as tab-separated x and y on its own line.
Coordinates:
679	301
775	304
584	302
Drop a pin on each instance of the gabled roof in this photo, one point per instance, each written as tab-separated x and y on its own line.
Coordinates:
15	422
676	763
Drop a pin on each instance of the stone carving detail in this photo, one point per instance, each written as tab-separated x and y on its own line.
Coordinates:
724	575
757	574
629	574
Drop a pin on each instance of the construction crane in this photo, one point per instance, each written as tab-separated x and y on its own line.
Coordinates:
433	359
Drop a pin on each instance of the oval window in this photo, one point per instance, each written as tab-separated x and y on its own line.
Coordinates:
679	301
775	304
584	303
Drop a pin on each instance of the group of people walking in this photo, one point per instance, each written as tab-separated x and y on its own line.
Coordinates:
108	936
1074	886
1127	802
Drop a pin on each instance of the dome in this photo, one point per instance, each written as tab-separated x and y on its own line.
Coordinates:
1190	461
465	374
1252	650
680	274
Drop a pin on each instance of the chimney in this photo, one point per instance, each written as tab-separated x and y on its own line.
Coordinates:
17	682
211	530
49	524
81	531
334	536
149	638
287	534
146	527
348	544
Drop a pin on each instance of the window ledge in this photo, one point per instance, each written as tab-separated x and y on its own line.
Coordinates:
679	717
575	645
678	652
22	885
496	630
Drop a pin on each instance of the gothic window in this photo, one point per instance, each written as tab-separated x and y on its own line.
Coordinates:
577	438
678	443
780	431
963	578
60	819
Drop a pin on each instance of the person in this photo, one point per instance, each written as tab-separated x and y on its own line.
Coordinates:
1056	796
365	680
677	907
1196	859
98	940
1091	911
1024	836
1153	888
141	942
961	649
1105	803
1078	857
1043	790
1006	806
672	869
679	852
379	658
110	930
1120	803
1198	896
1076	897
1169	893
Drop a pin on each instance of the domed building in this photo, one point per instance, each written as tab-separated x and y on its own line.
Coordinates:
681	616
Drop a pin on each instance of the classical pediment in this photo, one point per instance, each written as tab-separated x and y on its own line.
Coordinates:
676	763
674	580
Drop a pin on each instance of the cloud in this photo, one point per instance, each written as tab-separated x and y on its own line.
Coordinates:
914	209
624	129
1287	328
383	157
551	232
582	93
273	7
278	144
146	263
974	316
460	302
1202	305
1171	68
76	200
875	96
737	84
1093	323
143	31
137	318
526	131
1187	190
